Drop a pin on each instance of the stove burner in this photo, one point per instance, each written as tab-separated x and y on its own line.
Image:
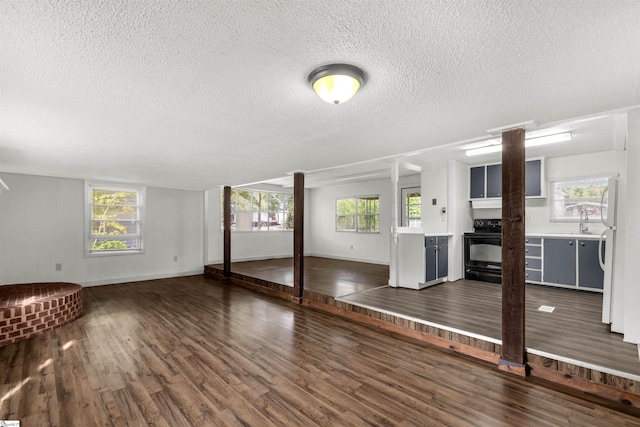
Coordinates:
487	226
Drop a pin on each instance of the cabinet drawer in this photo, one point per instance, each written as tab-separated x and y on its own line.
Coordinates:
436	240
533	263
531	250
533	240
533	275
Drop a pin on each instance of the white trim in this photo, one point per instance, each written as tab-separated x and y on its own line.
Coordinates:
128	279
499	342
584	364
423	322
141	190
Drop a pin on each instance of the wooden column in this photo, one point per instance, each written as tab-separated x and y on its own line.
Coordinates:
513	228
227	231
298	237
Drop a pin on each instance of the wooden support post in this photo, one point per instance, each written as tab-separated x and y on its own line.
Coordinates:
513	274
298	237
227	231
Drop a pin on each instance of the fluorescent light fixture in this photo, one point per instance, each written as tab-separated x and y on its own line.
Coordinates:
487	149
494	147
547	139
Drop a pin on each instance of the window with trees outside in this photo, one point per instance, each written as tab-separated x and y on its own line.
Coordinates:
572	196
259	210
114	218
358	214
411	207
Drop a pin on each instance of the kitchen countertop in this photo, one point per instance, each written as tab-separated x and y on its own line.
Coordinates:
416	230
583	236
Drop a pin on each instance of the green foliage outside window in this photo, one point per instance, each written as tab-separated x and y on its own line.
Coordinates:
114	220
570	197
361	214
259	211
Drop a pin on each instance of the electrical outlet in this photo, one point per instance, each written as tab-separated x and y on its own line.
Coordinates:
59	267
175	258
351	247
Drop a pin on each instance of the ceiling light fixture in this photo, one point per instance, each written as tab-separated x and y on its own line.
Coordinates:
336	83
495	145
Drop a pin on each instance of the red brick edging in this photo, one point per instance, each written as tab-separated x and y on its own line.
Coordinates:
32	308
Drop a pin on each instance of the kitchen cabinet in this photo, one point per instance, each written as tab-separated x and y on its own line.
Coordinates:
590	274
436	258
422	260
477	182
533	260
559	261
485	181
533	178
410	260
494	180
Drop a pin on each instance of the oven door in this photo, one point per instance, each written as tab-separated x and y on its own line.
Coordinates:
483	256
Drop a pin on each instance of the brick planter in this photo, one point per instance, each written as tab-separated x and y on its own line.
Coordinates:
33	308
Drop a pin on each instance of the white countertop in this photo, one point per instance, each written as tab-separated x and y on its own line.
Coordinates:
583	236
416	230
587	236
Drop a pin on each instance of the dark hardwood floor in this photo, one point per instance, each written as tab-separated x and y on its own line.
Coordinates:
197	352
573	331
327	276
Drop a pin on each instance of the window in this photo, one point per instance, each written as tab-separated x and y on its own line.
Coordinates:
360	214
259	211
570	197
114	218
411	207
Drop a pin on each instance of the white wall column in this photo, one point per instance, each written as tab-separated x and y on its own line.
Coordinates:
393	265
631	286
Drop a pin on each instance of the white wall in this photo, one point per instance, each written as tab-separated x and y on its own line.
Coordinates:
435	186
42	224
459	217
325	241
629	233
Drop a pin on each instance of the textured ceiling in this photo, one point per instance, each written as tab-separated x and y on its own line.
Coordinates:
198	94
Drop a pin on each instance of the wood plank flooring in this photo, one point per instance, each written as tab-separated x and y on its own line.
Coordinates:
573	331
197	352
323	275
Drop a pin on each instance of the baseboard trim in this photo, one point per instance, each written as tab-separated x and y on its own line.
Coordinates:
140	278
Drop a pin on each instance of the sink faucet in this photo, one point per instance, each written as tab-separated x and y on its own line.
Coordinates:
584	219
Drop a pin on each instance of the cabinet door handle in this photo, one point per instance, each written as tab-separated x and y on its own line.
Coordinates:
581	243
526	263
570	242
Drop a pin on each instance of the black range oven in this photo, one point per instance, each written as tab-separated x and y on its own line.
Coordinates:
483	251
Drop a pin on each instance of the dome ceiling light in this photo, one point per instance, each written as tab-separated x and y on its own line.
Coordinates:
336	83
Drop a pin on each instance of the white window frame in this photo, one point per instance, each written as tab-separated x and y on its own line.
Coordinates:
356	214
89	186
405	206
554	201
